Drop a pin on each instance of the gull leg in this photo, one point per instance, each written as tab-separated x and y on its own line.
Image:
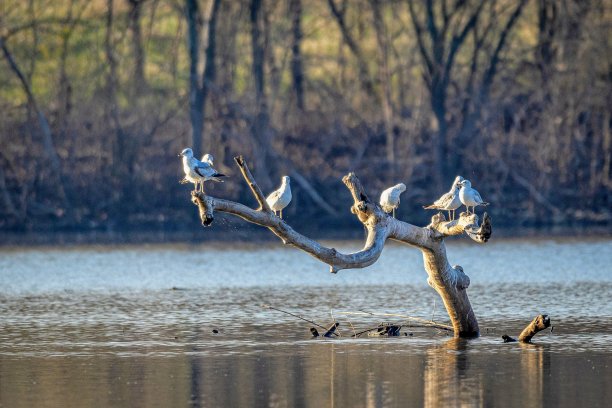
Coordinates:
281	214
394	213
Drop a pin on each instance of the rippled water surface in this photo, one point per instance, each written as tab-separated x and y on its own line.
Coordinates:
133	326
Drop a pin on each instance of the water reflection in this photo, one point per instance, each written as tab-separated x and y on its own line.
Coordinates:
534	362
321	373
448	381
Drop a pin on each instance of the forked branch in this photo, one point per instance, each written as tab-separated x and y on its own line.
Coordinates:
450	282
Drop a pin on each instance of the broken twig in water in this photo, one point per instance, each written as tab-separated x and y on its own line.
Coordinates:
332	330
425	322
299	317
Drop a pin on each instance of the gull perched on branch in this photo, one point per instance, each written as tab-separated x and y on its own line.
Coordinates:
279	199
390	198
197	172
469	196
449	201
207	158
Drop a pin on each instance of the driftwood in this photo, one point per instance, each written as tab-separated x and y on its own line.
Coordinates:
538	324
449	281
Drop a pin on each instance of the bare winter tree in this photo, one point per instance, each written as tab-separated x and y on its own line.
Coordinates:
442	31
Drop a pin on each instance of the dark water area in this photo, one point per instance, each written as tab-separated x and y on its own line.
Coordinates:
133	326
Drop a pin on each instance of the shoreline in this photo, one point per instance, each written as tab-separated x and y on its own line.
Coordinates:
248	234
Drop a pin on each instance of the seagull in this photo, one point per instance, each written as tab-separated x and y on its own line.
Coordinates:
279	199
470	197
207	158
449	201
197	172
390	198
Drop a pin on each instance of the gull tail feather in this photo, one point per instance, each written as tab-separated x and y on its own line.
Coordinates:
217	177
430	207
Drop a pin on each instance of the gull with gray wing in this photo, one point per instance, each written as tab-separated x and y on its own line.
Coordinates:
197	172
469	196
448	201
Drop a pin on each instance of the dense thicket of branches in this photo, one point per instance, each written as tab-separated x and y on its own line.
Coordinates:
97	97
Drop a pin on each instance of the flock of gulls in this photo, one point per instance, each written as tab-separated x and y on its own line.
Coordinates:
460	193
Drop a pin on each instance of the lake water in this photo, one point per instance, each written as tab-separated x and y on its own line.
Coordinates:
133	326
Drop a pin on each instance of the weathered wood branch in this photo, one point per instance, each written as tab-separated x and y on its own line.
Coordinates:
246	173
449	281
538	324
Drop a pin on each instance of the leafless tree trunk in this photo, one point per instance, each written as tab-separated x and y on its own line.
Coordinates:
47	135
200	83
134	25
65	87
194	24
260	126
438	55
339	14
449	281
119	141
385	80
297	68
441	34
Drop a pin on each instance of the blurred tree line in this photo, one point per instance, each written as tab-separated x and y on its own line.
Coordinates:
99	96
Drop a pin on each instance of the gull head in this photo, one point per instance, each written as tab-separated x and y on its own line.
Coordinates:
286	179
401	187
187	152
466	184
208	158
457	181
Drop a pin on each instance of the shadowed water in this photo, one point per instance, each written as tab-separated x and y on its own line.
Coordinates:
133	327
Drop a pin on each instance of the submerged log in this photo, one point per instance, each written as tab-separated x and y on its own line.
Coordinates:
450	282
538	324
389	330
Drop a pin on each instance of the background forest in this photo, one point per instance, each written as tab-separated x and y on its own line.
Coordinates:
99	96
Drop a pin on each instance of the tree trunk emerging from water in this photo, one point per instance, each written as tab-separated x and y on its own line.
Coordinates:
449	281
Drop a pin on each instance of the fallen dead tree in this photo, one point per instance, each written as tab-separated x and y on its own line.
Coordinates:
450	282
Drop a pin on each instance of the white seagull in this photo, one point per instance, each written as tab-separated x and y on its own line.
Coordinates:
390	198
207	158
449	201
279	199
197	172
470	197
